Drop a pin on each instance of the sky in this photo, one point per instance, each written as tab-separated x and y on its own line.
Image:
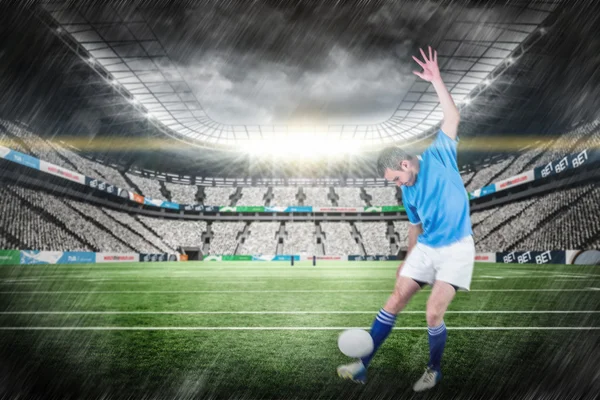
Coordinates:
307	62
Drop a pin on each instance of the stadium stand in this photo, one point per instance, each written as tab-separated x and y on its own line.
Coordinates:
571	229
566	219
252	196
9	141
374	237
348	197
317	197
148	187
494	219
284	196
134	225
27	228
182	194
132	239
300	238
261	239
383	196
540	154
339	239
218	196
485	175
225	237
176	233
99	238
479	216
93	169
401	228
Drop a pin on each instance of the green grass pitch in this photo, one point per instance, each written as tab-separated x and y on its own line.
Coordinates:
269	330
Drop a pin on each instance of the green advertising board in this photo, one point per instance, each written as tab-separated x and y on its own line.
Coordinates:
10	257
392	208
250	209
236	257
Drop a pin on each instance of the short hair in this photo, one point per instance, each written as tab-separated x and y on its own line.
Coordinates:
390	158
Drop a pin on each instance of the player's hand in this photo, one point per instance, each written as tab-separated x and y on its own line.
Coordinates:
431	71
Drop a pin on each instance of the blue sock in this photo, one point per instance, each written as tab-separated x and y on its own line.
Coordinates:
382	326
437	342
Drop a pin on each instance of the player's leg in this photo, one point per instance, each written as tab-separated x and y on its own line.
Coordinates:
416	271
454	265
437	304
386	318
383	324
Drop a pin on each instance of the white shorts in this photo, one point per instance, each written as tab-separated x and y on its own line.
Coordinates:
452	264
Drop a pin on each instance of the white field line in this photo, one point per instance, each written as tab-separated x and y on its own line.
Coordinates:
333	278
374	312
287	328
278	291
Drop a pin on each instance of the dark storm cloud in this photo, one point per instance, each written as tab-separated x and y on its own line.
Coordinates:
277	62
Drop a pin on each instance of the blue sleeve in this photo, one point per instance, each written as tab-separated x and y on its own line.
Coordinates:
443	149
411	211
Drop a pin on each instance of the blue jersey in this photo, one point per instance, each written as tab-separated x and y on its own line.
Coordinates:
438	199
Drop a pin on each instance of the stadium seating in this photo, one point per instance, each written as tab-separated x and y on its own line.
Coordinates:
484	176
99	238
349	197
374	237
540	154
252	196
30	228
566	219
284	196
134	225
300	238
218	196
8	140
176	233
339	239
401	228
493	220
39	220
261	239
93	169
182	194
225	237
148	187
130	238
317	197
383	196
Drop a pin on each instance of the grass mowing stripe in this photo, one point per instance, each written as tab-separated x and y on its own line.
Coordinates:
286	328
285	312
591	289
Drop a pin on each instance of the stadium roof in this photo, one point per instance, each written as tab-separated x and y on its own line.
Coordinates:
120	44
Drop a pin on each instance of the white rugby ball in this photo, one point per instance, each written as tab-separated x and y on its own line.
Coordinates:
355	343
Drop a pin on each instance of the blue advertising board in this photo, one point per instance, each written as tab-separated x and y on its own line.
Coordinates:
56	257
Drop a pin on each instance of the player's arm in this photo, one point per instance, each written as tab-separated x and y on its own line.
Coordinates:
431	73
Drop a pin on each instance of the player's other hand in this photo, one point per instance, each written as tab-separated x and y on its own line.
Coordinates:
431	71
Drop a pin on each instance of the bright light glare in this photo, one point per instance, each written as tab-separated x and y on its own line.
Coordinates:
467	101
301	146
487	82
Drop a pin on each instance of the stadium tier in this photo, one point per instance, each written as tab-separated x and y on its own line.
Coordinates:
550	221
585	136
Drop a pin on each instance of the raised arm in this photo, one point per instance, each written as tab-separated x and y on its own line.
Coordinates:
431	73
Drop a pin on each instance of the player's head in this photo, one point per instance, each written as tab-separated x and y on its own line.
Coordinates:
398	166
